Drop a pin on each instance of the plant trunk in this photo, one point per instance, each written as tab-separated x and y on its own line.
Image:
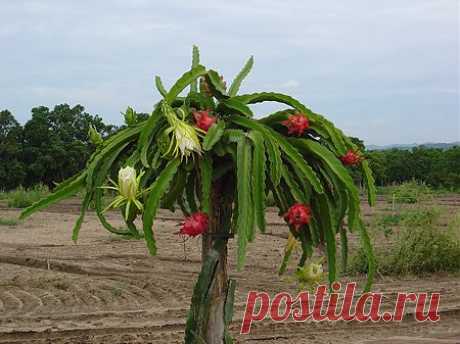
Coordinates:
212	300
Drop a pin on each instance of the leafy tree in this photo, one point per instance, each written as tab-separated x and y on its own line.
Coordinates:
208	154
433	166
12	171
56	144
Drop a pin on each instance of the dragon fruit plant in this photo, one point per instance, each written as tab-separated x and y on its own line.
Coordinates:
206	152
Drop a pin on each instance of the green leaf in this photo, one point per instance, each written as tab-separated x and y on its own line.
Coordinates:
206	183
294	188
336	137
234	88
258	178
216	84
369	251
338	194
229	301
280	98
274	155
100	178
190	192
324	216
157	190
233	106
160	87
335	165
299	164
176	190
79	222
344	248
244	220
67	181
126	135
307	246
234	135
369	182
320	131
277	117
145	137
64	192
183	82
200	101
213	135
195	63
286	257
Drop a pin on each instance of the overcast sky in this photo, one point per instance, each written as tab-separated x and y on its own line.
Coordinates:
385	71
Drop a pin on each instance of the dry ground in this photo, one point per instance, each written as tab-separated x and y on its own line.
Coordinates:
108	290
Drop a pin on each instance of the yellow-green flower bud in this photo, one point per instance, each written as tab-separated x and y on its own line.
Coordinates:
94	136
130	116
311	274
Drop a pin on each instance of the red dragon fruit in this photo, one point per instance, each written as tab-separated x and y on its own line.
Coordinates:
296	124
298	215
195	224
351	158
204	120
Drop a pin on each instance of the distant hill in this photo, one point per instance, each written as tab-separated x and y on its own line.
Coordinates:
413	145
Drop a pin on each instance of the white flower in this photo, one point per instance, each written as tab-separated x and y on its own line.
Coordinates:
187	139
127	182
184	140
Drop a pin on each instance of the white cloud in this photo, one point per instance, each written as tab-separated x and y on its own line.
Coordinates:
290	84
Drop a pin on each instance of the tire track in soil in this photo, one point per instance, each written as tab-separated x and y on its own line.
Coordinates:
92	295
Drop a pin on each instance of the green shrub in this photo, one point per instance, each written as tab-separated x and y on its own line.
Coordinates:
8	222
21	197
426	249
422	246
410	192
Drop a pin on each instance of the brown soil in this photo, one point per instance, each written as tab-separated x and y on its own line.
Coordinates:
108	290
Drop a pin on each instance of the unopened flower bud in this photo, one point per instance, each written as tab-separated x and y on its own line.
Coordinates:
130	116
311	274
127	182
94	136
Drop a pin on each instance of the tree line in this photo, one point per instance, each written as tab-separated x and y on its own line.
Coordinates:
53	145
50	147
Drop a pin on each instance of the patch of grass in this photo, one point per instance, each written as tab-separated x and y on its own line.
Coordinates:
118	288
426	249
8	222
421	217
422	247
22	198
385	223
